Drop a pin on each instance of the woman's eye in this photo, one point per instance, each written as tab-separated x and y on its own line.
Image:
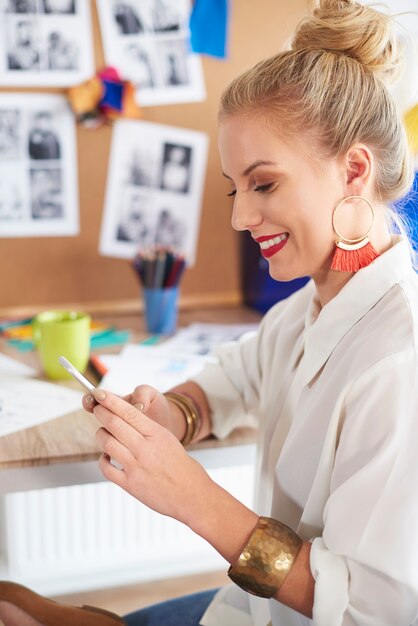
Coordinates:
232	193
264	188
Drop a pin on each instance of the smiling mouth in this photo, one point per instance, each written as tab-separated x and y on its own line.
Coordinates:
271	245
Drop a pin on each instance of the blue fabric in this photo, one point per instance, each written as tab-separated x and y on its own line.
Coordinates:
183	611
113	95
209	27
408	207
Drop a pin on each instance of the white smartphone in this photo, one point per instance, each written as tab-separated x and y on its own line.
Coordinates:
71	369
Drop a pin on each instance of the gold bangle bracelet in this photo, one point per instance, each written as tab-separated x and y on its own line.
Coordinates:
190	412
266	559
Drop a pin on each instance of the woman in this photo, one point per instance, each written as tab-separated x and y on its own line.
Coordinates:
312	145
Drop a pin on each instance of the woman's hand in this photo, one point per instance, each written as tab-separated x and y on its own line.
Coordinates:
147	400
155	468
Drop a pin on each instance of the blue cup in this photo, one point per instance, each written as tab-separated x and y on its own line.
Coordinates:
161	307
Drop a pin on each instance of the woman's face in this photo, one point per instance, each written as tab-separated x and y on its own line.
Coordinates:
284	193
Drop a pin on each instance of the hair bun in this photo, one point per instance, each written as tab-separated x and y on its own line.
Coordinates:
358	31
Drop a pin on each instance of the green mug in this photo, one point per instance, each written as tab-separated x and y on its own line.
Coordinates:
65	333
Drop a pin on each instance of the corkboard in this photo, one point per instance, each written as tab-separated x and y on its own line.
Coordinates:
37	273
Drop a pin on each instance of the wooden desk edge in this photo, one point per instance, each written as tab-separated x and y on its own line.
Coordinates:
239	437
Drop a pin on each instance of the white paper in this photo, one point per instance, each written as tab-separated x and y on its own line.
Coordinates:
141	365
154	189
25	402
11	366
45	43
203	338
38	166
148	42
109	360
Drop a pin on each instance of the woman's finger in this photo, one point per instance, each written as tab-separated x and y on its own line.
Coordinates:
88	402
112	473
129	414
131	400
127	434
121	418
141	395
114	448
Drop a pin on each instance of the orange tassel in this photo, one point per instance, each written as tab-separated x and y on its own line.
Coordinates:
352	259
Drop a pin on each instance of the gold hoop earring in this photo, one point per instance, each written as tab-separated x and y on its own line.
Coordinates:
352	254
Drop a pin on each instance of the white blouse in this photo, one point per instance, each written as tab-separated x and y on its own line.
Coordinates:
335	394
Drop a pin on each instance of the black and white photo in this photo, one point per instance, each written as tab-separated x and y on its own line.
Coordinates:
9	134
43	139
61	51
21	6
173	61
23	48
45	43
136	219
154	189
148	41
141	58
60	7
11	200
176	166
128	18
141	167
46	193
166	16
38	166
170	230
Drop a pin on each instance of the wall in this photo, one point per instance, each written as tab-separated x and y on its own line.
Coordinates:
36	273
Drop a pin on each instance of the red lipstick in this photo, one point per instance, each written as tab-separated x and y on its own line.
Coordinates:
269	251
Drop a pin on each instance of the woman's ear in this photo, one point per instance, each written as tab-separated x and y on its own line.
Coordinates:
359	167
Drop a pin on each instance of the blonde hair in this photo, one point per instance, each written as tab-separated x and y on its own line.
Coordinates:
333	82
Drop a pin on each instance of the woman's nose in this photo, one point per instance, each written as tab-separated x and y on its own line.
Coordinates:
245	215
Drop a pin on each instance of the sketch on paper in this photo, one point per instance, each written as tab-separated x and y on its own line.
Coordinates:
25	402
155	183
38	170
148	41
45	42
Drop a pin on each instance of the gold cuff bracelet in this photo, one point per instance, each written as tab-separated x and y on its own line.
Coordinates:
190	412
267	558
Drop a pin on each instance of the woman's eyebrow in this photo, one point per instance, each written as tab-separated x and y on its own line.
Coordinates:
252	167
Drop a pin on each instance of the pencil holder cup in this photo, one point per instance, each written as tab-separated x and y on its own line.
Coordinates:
161	307
65	333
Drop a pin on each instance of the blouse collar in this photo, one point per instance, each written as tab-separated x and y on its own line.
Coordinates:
325	329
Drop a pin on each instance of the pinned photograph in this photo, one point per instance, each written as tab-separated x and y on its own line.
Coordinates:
46	194
20	6
23	46
149	42
172	57
136	218
140	61
11	196
9	134
128	18
153	197
38	166
43	138
45	43
62	51
167	16
176	168
60	7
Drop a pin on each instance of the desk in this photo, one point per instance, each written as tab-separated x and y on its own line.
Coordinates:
63	451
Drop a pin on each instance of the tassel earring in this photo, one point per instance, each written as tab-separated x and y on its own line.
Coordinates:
352	254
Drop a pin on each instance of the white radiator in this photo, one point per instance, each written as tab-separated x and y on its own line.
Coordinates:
83	537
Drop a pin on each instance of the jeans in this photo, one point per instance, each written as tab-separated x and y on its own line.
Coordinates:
183	611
